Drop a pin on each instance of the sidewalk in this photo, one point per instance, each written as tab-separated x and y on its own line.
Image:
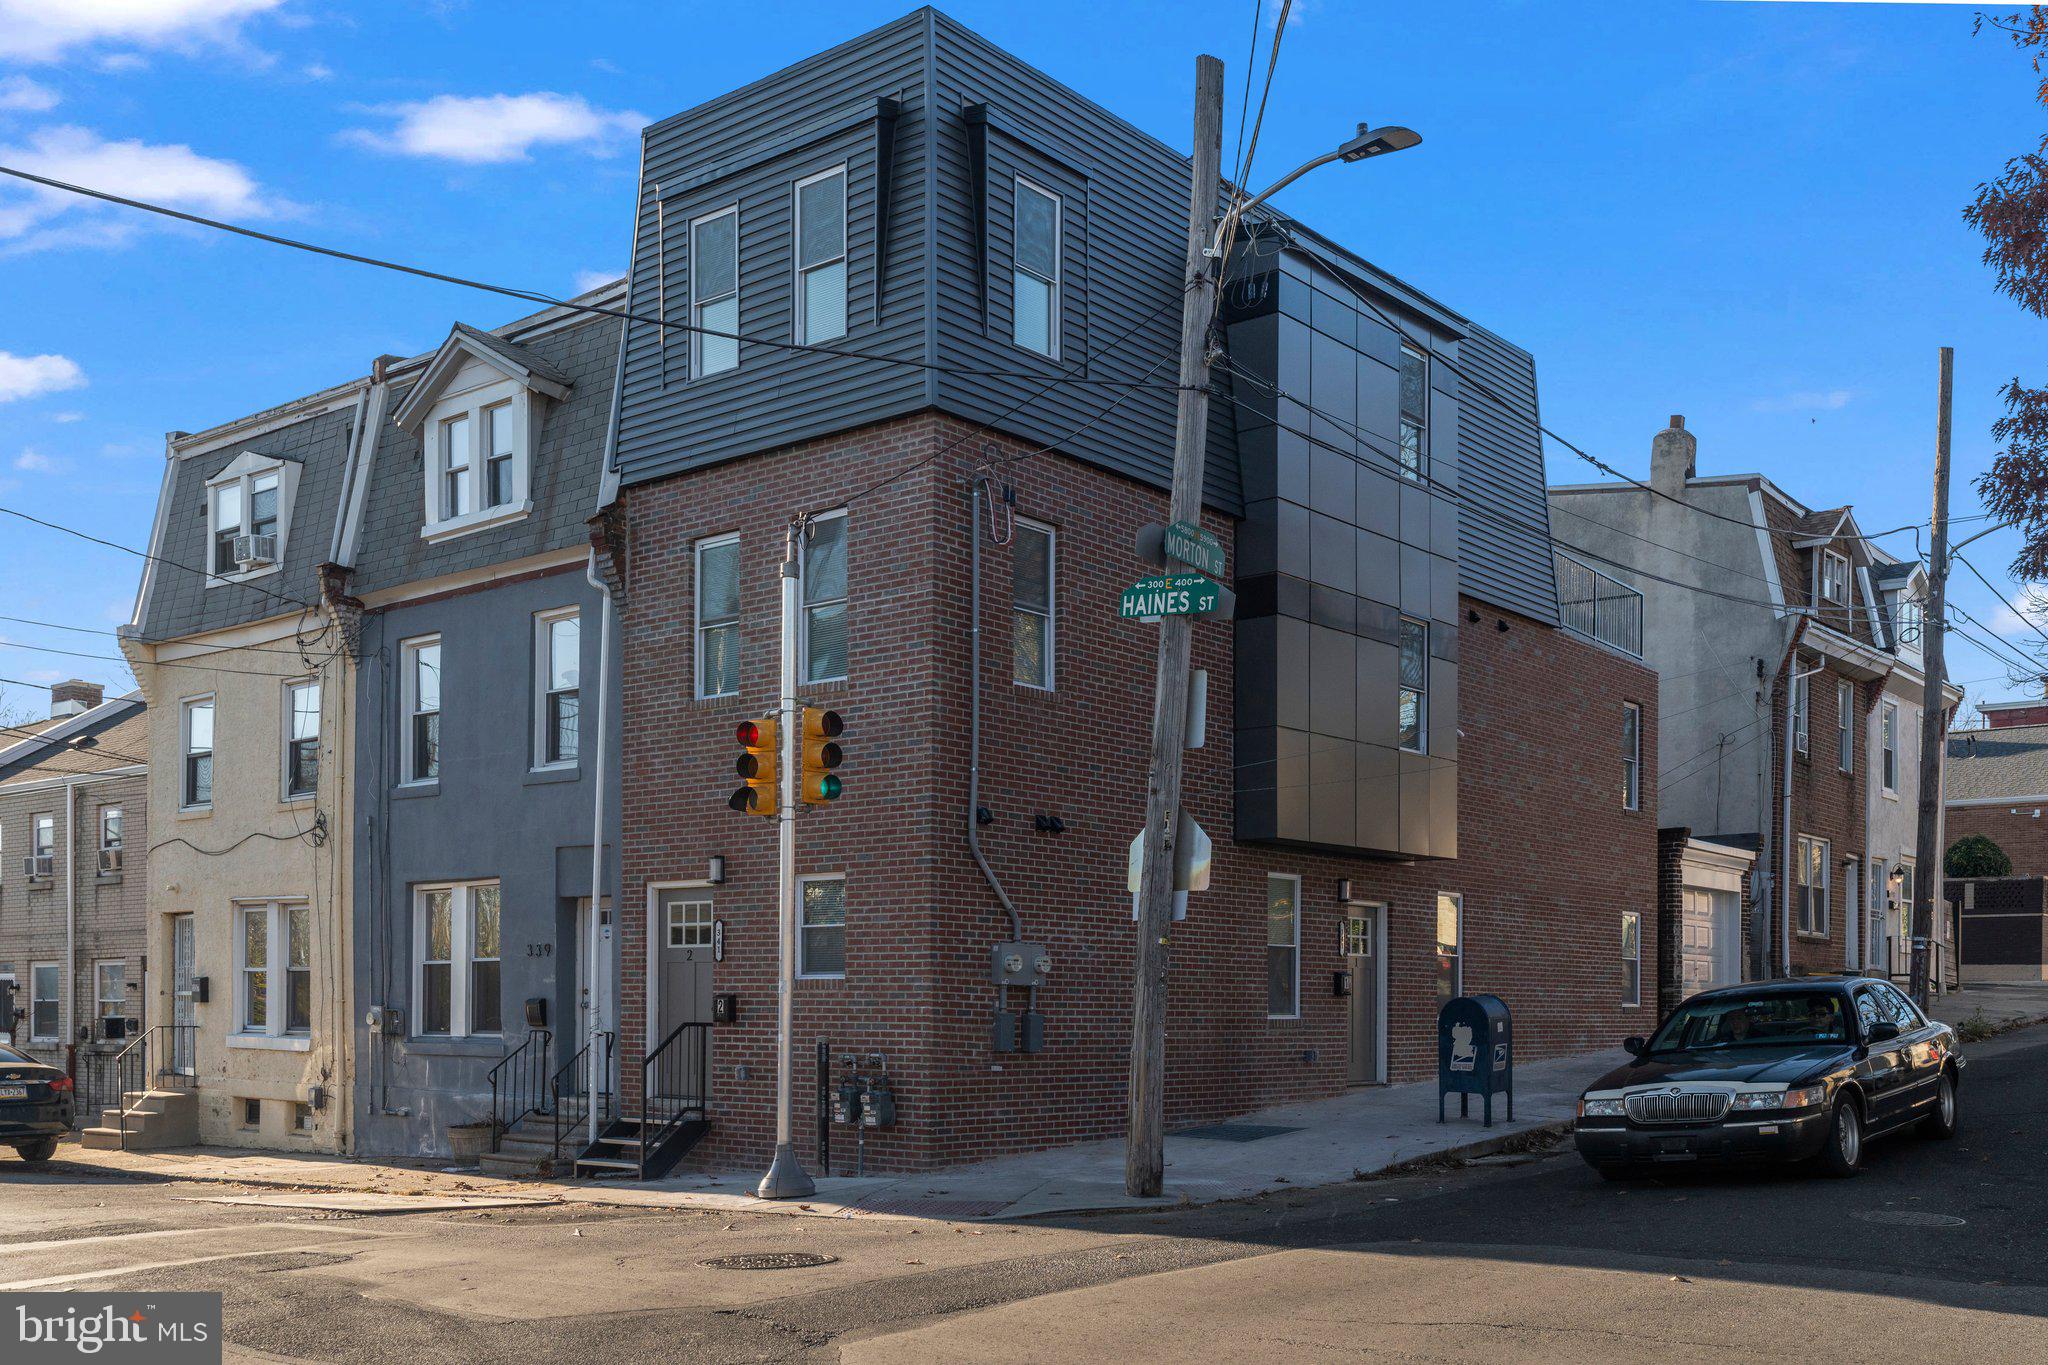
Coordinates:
1352	1136
2005	1004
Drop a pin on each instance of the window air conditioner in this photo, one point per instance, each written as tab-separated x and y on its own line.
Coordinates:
253	551
110	860
38	868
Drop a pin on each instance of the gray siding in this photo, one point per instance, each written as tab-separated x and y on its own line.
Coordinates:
567	459
1507	558
181	603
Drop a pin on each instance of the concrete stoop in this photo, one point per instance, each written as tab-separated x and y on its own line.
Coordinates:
521	1154
153	1118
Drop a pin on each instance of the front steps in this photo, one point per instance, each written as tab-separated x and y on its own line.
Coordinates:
616	1154
153	1118
525	1151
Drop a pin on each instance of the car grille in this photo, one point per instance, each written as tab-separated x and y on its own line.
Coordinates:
1687	1106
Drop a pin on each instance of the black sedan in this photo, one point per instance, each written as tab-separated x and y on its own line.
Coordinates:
35	1105
1802	1070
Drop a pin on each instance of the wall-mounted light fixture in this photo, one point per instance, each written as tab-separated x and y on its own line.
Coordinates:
1344	890
716	872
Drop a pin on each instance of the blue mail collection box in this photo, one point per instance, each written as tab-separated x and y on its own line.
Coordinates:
1475	1054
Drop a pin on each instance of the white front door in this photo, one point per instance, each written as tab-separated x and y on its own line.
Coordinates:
600	1002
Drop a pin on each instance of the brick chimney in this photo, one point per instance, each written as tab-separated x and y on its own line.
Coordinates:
1674	455
74	698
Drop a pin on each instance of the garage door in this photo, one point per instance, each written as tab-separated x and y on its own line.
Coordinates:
1711	940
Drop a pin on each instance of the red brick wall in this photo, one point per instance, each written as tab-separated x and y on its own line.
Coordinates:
2013	828
1827	803
1550	858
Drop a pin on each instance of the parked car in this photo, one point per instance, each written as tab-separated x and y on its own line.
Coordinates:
1808	1069
36	1102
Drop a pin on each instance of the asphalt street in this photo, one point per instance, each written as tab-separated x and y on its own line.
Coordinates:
1938	1250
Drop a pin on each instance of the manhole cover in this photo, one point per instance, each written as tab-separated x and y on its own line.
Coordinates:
769	1260
1912	1218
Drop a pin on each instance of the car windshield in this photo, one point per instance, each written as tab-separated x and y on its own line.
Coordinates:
1777	1019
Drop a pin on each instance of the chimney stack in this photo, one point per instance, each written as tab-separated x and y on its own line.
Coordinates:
1674	455
74	697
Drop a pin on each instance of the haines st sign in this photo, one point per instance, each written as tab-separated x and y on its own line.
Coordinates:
1185	594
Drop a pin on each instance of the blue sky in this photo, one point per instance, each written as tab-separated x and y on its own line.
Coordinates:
1747	213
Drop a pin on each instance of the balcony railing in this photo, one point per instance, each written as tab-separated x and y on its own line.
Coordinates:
1599	606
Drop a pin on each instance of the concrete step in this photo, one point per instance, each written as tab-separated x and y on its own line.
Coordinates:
100	1139
153	1118
521	1165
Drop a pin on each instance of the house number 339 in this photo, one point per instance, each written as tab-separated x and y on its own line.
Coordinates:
540	950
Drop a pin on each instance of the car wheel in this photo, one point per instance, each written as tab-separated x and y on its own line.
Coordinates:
1940	1123
1842	1155
42	1149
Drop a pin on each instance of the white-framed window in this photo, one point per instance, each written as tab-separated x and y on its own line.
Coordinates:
1890	723
1834	577
274	969
479	442
1631	957
1414	452
821	256
248	515
824	598
1815	869
44	1007
1907	874
557	673
715	292
455	956
1414	690
718	616
1907	615
110	990
821	926
1845	724
1801	708
42	841
420	704
1283	946
1035	275
1631	756
1450	945
1032	562
301	738
110	829
688	921
195	780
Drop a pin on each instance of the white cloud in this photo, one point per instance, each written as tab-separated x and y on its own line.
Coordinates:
1806	400
317	71
67	417
169	173
19	94
33	461
31	376
43	31
587	280
494	128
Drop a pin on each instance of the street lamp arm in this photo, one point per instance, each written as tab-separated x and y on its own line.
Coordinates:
1239	210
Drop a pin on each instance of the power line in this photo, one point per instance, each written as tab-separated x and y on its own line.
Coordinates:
536	296
1995	592
144	554
307	659
153	639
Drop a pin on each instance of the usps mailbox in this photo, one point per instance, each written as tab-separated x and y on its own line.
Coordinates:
1475	1054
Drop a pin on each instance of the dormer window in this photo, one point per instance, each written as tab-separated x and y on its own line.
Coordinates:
1905	621
478	407
248	510
1834	578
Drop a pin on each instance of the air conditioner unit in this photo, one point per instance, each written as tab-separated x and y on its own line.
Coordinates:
39	867
1799	741
110	860
254	551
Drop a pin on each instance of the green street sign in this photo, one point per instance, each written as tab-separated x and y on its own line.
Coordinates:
1194	547
1184	594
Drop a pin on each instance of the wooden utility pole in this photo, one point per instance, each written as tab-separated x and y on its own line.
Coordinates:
1145	1145
1933	737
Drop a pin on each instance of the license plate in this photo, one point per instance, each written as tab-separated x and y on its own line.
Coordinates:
1674	1146
13	1092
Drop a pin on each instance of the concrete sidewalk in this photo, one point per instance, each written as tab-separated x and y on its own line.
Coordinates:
2004	1004
1352	1136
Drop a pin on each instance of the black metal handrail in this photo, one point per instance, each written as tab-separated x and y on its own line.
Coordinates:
163	1055
519	1083
570	1093
675	1082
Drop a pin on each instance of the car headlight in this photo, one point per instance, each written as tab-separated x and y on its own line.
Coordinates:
1808	1097
1602	1109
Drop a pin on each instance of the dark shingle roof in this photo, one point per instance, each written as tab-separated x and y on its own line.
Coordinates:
2007	762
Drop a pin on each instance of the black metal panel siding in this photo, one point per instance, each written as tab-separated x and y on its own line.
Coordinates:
749	148
1506	556
1125	196
180	602
568	455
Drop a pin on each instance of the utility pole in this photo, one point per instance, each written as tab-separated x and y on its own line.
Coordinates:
1932	710
786	1178
1145	1144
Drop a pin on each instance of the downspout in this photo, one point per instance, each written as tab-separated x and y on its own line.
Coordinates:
590	948
70	994
974	716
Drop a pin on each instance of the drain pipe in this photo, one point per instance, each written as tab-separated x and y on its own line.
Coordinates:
590	948
974	715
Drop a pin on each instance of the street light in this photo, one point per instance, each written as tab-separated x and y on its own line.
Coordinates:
1370	142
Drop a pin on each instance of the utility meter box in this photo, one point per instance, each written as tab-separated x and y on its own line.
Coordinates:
1475	1054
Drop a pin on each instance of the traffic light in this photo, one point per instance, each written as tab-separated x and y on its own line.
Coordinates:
757	767
817	783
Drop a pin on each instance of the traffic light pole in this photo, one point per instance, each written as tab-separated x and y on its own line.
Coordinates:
1145	1143
786	1177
